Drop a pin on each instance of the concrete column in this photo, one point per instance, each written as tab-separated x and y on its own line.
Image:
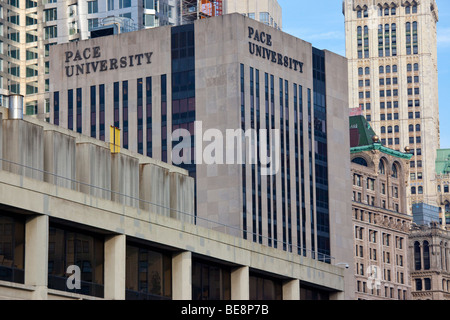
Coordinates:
115	257
36	255
240	284
291	290
182	276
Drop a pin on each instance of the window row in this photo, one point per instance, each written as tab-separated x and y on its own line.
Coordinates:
361	286
148	270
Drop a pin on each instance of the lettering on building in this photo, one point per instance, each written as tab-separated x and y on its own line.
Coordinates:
269	54
85	65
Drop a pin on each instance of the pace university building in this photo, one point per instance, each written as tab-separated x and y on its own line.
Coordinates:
218	75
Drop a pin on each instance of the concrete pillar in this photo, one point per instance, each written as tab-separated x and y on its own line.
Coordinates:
93	170
59	159
240	284
182	276
291	290
23	145
115	257
154	188
182	198
36	255
125	179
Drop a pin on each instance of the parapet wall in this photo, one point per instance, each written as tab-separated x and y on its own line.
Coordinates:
64	158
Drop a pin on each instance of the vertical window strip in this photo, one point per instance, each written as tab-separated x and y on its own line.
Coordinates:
101	101
79	110
70	109
164	117
93	112
116	105
283	175
140	115
252	125
274	180
148	97
258	162
288	168
56	108
244	173
268	153
125	132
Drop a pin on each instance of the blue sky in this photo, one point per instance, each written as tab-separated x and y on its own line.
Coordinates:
321	22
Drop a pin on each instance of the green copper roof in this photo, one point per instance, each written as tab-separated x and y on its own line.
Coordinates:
364	128
365	143
443	161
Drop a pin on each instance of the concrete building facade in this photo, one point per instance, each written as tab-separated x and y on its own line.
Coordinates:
380	220
122	224
225	73
392	52
28	28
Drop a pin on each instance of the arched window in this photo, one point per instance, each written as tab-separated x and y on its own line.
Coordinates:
367	70
394	171
381	69
396	129
408	9
360	71
413	190
359	13
360	161
411	128
418	127
383	129
417	257
426	255
447	207
390	129
420	190
381	168
388	69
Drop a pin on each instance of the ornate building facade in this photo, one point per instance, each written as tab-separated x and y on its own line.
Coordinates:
443	185
429	248
380	222
391	49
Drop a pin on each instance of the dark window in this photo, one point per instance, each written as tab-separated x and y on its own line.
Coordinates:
56	108
148	99
73	247
70	109
148	273
417	256
79	110
210	281
101	98
140	115
125	114
12	252
426	254
116	105
264	288
93	112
